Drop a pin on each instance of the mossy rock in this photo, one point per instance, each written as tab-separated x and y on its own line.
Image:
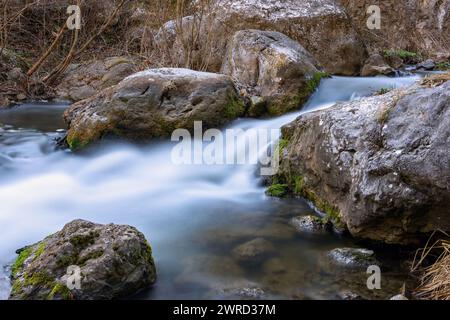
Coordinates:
41	271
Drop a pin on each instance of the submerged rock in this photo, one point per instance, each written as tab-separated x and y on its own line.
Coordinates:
114	261
239	290
348	295
254	251
321	26
275	71
152	104
379	166
310	225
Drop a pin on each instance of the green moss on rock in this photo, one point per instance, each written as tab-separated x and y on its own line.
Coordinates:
82	241
290	102
18	264
40	250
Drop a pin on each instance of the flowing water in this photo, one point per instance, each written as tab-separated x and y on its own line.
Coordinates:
192	215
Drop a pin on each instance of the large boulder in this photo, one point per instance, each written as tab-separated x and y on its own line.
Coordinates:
152	104
82	81
379	166
273	70
13	81
114	261
321	26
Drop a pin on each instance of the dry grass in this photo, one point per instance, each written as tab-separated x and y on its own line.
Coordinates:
434	278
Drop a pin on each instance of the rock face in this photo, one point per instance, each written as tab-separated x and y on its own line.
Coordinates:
376	65
321	26
115	261
153	103
83	81
379	166
416	25
273	69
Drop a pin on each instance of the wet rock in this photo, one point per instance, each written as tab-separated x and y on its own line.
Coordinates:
114	261
239	290
82	81
310	225
13	81
276	231
378	166
208	271
152	104
427	65
352	258
321	26
273	67
254	251
376	65
399	297
420	26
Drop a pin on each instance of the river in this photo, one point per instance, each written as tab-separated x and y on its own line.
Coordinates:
192	215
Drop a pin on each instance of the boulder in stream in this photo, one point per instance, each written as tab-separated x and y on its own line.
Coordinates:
112	261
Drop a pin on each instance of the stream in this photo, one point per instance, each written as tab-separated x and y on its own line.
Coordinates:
193	216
